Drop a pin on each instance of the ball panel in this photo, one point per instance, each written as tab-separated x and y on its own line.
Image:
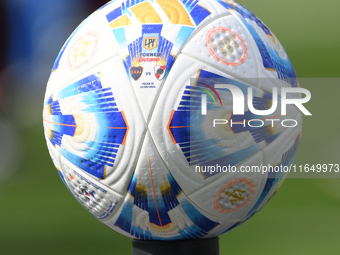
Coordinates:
99	200
169	99
280	153
224	45
155	207
96	124
89	45
188	141
274	153
233	195
274	59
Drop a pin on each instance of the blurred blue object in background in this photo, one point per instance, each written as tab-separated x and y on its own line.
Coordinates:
32	32
35	33
36	29
7	138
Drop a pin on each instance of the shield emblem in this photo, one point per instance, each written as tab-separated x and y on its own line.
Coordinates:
136	72
160	72
150	43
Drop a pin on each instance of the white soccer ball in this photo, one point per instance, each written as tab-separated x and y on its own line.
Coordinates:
143	134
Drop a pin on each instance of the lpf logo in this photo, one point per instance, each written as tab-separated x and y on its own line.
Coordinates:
150	43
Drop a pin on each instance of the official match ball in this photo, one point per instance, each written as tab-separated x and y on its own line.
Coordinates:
163	118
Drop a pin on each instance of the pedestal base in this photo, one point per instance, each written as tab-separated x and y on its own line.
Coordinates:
179	247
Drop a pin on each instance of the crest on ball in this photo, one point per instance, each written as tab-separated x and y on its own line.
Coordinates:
160	72
136	72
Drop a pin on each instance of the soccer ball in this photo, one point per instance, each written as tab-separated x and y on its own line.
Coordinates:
144	135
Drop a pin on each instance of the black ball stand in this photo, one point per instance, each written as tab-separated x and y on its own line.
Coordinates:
178	247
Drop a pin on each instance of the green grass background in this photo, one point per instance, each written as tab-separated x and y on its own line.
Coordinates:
38	215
